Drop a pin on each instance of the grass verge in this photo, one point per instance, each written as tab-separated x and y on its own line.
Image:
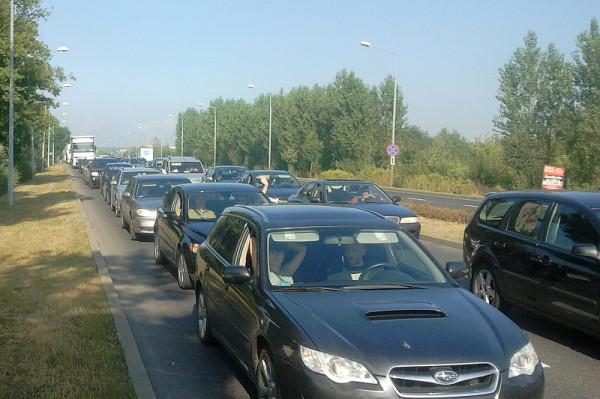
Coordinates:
57	337
461	216
450	231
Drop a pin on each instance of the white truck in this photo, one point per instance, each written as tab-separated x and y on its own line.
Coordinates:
147	153
82	147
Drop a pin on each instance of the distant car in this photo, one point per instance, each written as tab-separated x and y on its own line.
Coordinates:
225	174
137	162
336	302
140	200
186	216
106	177
120	182
81	164
359	194
157	163
190	166
282	183
539	251
93	170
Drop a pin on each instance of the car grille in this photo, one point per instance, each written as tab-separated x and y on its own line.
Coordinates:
418	382
395	219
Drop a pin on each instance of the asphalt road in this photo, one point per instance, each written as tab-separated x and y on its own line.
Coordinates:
161	320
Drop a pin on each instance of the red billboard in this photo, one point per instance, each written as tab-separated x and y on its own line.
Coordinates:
554	177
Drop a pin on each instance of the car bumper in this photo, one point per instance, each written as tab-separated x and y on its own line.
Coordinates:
143	225
306	384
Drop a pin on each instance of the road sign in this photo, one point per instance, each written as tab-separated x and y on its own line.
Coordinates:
553	178
392	150
392	161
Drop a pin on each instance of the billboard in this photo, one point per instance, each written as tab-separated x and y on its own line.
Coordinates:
147	153
554	177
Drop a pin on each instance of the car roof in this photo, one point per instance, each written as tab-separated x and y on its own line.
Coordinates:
303	215
268	171
589	199
138	170
183	159
228	166
159	176
119	165
345	181
216	187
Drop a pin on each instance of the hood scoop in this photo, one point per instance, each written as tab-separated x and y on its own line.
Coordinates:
407	311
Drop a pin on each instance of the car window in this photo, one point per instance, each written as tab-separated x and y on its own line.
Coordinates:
208	205
569	227
177	205
168	198
529	221
230	237
248	249
354	193
306	190
493	211
156	188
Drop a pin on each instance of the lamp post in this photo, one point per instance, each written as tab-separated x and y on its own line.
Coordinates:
215	133
251	86
11	94
397	61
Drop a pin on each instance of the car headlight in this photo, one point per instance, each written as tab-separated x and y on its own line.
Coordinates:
412	219
94	173
523	362
337	369
145	213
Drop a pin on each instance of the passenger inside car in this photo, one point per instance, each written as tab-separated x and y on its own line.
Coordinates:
281	272
198	209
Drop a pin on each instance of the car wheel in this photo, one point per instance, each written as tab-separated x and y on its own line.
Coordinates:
485	286
132	234
204	327
266	380
183	277
159	258
117	210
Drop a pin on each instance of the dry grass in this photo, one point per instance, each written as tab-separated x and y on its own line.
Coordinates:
57	337
444	230
433	212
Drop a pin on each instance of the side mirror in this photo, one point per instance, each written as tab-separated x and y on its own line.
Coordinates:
587	250
236	275
396	199
457	269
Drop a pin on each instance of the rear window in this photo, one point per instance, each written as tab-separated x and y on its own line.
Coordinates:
494	211
530	219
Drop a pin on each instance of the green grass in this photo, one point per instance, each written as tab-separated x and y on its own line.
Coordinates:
57	337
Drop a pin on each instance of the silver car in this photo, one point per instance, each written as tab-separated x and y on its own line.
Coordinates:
120	182
140	200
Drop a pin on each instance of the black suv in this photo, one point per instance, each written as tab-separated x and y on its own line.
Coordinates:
538	250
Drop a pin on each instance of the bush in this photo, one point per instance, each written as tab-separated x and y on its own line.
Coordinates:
434	212
336	174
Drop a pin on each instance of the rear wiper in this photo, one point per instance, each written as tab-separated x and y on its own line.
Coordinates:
381	287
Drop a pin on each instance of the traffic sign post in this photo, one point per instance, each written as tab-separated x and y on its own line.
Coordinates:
392	161
392	150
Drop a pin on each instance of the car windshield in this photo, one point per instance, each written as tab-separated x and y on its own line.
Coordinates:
156	188
232	174
208	205
280	180
349	258
185	167
82	147
126	177
354	193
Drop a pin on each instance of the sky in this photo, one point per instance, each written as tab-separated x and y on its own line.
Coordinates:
135	62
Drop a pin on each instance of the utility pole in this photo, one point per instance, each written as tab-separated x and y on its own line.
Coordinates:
48	159
182	115
11	109
270	123
32	152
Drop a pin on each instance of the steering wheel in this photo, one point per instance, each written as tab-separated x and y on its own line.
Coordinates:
381	265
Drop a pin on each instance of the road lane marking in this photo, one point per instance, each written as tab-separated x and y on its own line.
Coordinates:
416	199
472	206
546	366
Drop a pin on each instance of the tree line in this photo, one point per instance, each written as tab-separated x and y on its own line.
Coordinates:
549	113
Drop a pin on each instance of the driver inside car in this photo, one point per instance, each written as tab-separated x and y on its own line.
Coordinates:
353	263
197	209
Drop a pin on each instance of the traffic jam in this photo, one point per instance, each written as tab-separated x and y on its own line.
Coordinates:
289	277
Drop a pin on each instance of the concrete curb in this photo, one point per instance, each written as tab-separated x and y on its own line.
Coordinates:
135	364
439	241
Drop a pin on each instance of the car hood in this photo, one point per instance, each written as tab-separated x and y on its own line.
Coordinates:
194	177
336	322
385	209
201	228
281	193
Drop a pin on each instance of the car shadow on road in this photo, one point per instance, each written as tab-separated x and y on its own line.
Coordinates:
553	331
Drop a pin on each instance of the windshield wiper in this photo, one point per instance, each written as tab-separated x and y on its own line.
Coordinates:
381	287
308	289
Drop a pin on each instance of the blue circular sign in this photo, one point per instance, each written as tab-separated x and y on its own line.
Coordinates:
393	150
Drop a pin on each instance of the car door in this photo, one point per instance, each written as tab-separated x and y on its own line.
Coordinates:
304	193
240	299
161	218
572	282
172	227
522	276
126	201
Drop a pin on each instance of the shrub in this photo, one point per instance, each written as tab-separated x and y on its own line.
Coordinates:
336	174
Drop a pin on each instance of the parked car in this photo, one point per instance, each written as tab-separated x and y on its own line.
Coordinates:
120	182
358	194
538	250
225	174
189	166
282	183
337	302
93	170
186	217
111	170
140	200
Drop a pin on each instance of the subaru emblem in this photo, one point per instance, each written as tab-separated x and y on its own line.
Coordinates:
445	377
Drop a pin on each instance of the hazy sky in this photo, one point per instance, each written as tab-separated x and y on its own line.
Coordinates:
138	61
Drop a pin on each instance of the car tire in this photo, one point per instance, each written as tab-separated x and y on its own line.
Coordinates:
132	234
117	210
159	258
484	285
183	277
203	322
267	386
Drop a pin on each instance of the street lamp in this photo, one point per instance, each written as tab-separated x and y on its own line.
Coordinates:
397	61
251	86
215	134
62	49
